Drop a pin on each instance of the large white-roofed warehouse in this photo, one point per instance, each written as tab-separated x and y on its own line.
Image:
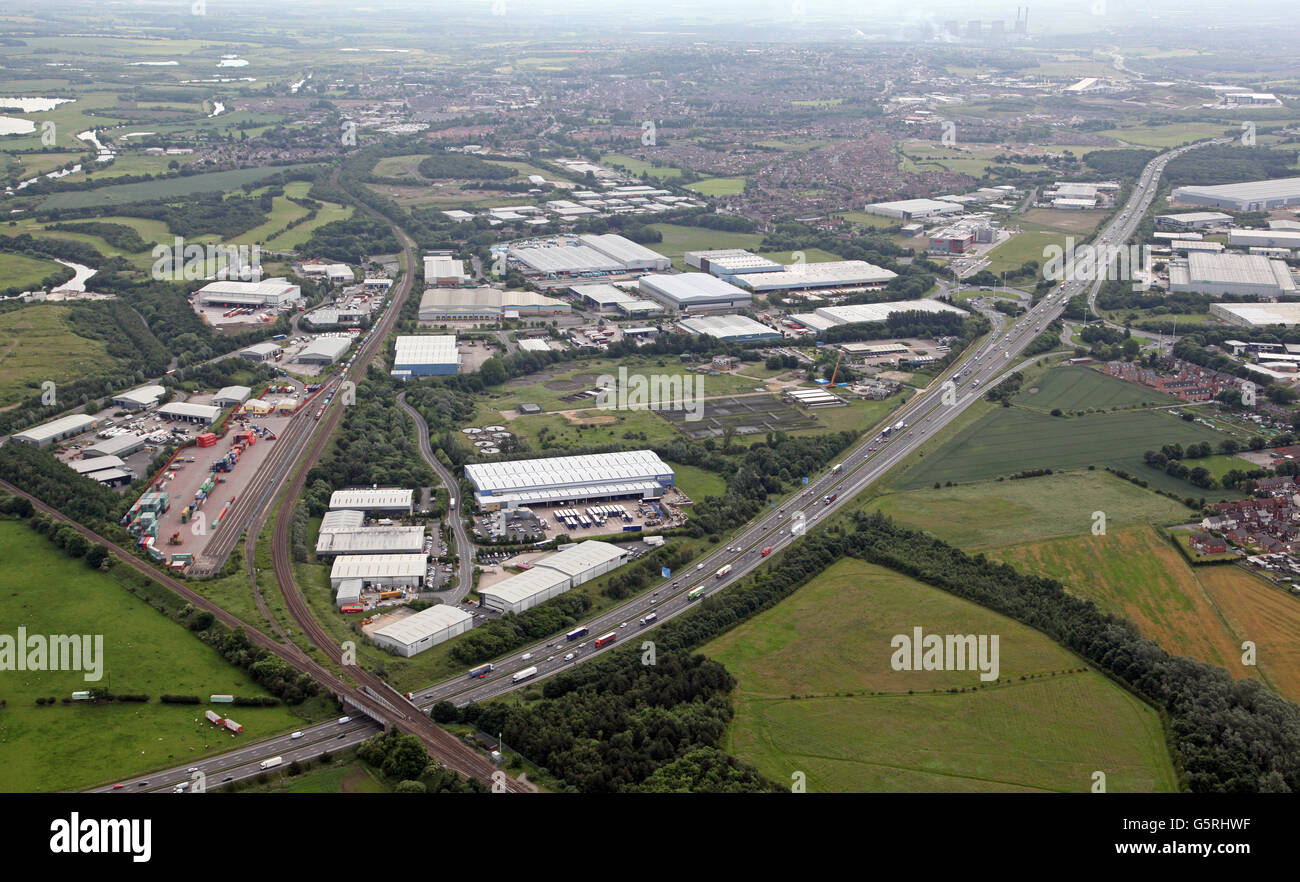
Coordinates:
371	540
324	350
48	433
380	570
553	575
694	291
806	276
1245	196
591	477
426	629
426	355
389	499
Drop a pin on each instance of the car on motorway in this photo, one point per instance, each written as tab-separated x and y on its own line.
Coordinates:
550	658
192	769
143	784
570	656
624	625
526	656
296	735
582	644
227	778
118	786
340	738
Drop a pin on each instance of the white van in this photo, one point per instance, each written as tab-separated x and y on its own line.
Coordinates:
343	720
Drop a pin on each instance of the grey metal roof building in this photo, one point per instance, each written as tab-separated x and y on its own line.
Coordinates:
380	570
694	291
230	395
1249	315
426	629
325	350
566	260
271	292
632	473
138	398
730	327
56	430
906	209
195	413
259	351
553	575
1265	238
342	519
630	255
1248	275
370	540
95	464
878	312
391	499
426	355
830	274
1246	196
525	590
117	446
348	591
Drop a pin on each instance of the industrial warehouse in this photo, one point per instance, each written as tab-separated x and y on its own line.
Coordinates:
271	292
736	328
324	350
830	316
385	499
428	355
136	399
694	291
597	476
1248	275
370	540
811	276
380	570
729	262
1251	315
485	305
192	413
49	433
604	297
427	628
553	575
1246	196
910	209
607	253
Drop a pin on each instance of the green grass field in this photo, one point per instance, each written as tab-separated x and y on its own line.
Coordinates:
76	745
1071	388
679	239
697	483
635	166
351	777
718	186
36	344
1171	135
854	727
1003	441
21	271
1137	573
997	513
172	188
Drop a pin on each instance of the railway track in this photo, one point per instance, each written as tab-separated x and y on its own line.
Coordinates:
449	750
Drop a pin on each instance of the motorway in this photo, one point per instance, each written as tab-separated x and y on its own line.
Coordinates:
978	370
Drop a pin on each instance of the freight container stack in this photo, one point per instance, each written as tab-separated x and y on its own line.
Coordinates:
141	520
207	439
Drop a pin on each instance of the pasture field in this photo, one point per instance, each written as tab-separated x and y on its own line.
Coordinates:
1080	223
171	188
1072	388
696	482
549	387
847	719
1171	135
1023	247
679	239
1005	441
68	746
21	271
351	777
36	344
400	167
1135	572
635	166
718	186
1255	610
999	513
